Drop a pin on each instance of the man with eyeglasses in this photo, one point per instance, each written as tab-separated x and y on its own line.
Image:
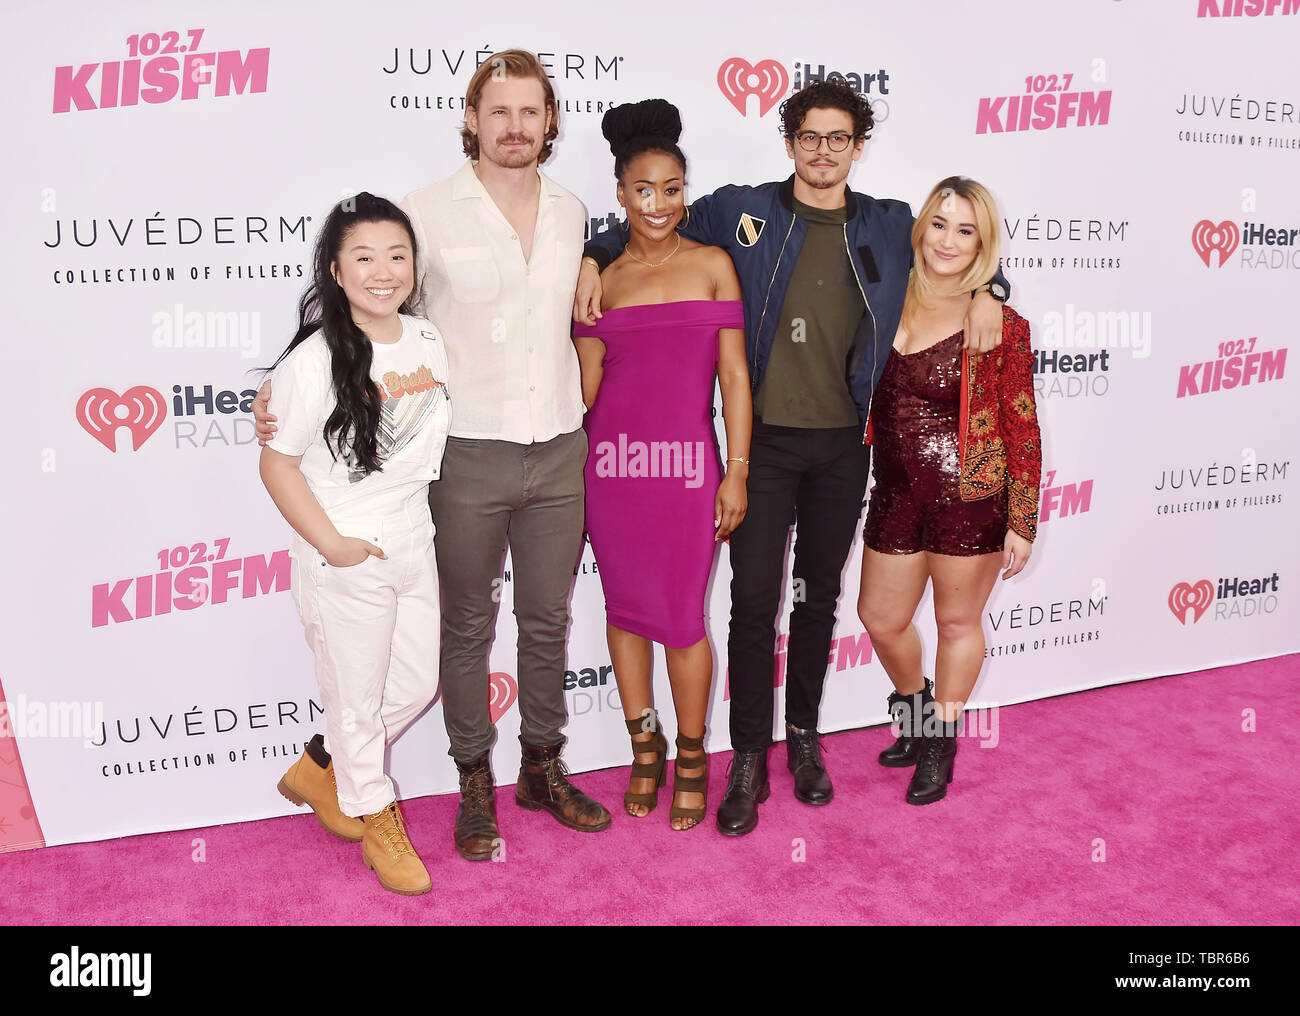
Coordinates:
823	273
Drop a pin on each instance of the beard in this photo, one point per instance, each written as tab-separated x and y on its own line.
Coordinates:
823	179
514	158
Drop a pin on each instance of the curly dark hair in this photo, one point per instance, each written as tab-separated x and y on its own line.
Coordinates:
826	95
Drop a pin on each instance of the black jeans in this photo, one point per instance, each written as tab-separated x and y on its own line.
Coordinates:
817	479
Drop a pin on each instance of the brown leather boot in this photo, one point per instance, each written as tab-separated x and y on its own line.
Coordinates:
310	781
387	851
476	819
544	786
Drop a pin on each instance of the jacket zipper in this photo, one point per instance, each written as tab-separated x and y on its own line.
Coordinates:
874	337
753	369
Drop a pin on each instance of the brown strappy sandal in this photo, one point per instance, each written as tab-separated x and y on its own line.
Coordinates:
690	784
656	770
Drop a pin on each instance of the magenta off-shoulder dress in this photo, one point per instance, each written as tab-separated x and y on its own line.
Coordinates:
652	470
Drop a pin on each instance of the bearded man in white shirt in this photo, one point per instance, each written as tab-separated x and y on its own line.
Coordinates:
501	246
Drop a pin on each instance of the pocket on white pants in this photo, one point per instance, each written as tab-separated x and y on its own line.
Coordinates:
370	530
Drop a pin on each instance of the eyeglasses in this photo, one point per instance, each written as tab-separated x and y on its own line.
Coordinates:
810	141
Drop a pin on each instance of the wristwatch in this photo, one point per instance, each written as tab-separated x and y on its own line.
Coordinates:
994	288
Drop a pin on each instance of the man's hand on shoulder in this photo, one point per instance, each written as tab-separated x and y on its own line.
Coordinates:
983	324
586	299
265	421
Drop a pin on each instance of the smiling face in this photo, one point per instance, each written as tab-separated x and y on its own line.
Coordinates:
823	169
511	121
373	265
654	193
951	239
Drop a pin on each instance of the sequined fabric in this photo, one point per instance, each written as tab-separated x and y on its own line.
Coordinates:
916	504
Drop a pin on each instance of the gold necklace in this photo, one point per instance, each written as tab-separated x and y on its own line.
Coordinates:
655	264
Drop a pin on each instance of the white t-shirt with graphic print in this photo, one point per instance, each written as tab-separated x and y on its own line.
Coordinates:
415	416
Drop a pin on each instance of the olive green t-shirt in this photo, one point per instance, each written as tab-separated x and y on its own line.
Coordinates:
805	383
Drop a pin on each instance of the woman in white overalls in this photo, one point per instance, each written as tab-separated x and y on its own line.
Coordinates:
361	397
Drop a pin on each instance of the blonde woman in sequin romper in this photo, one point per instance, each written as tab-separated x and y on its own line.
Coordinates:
957	462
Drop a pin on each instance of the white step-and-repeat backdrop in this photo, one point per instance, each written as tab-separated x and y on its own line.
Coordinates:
167	168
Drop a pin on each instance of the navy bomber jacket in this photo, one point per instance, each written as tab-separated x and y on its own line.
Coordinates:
758	227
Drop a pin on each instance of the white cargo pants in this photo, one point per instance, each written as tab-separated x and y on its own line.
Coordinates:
375	629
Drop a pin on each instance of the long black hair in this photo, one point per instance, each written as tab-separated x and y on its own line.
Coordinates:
352	427
651	125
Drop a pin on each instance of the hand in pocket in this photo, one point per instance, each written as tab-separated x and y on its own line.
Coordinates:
352	552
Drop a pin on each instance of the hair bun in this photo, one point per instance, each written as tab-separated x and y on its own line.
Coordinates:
649	118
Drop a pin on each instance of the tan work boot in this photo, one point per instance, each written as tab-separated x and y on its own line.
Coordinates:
310	781
388	853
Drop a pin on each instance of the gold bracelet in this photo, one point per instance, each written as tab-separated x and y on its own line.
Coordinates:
745	461
593	261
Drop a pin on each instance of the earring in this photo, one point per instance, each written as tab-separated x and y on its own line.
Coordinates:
625	227
686	219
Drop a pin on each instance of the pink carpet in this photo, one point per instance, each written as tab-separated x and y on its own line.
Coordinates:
1197	818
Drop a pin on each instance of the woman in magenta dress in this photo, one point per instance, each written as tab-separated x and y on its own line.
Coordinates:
658	500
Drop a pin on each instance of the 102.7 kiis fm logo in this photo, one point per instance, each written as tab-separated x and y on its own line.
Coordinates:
189	575
1049	101
160	67
1245	8
142	410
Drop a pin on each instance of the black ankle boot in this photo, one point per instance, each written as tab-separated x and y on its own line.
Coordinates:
803	757
909	712
747	788
934	770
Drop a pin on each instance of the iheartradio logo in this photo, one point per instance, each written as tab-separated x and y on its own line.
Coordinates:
502	692
1207	237
141	410
1186	597
739	79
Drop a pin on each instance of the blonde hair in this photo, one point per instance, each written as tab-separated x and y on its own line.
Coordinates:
510	63
922	287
